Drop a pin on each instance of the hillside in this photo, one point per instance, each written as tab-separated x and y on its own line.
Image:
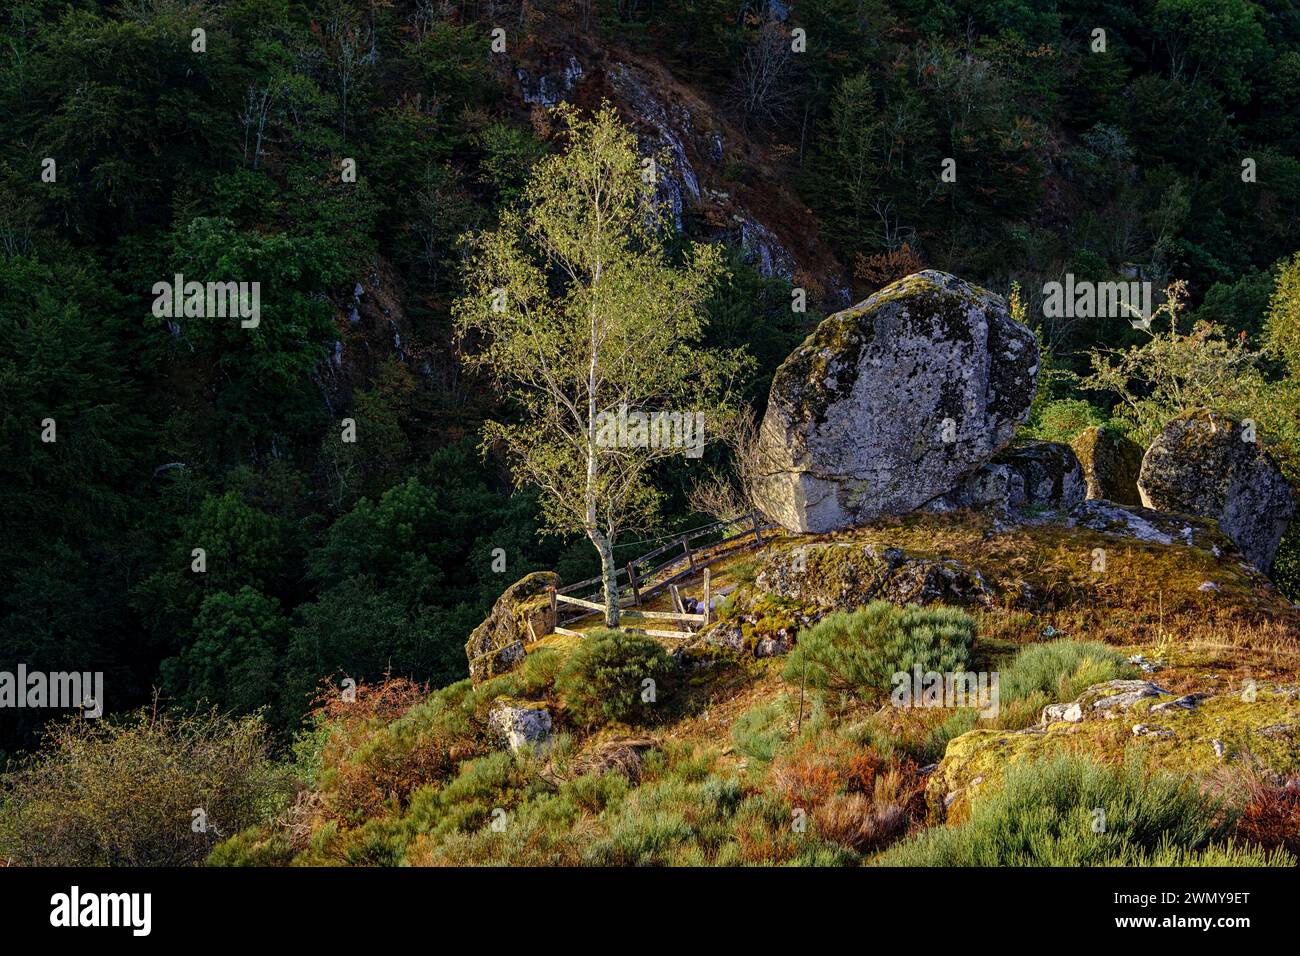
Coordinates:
717	770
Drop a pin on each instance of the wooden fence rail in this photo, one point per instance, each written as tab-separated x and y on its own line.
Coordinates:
642	584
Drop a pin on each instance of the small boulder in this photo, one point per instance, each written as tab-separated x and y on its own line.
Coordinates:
1117	695
521	726
1055	713
1205	464
891	403
521	615
1111	462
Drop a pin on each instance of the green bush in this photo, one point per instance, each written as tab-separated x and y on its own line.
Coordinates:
602	681
860	651
1286	566
1061	669
760	731
1063	419
1046	673
1071	812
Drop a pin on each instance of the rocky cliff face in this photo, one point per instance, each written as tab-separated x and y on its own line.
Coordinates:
701	150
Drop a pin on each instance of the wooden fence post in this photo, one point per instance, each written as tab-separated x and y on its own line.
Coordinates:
690	558
758	534
554	603
631	579
708	599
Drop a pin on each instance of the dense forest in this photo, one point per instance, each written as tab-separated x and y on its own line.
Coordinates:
342	152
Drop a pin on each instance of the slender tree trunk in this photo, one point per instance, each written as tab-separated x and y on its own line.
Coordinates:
608	574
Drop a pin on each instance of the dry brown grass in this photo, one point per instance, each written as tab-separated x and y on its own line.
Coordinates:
1271	817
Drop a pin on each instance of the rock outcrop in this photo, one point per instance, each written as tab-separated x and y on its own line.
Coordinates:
1111	462
1206	464
1035	475
891	403
520	615
845	575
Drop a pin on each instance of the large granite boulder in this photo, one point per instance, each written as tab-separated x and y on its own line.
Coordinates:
1206	464
1111	462
522	614
891	403
1038	475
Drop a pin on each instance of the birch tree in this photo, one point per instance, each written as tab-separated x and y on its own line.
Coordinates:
579	317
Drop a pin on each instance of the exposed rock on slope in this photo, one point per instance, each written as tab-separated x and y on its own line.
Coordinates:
714	172
1204	464
892	402
845	575
1118	720
497	645
1111	463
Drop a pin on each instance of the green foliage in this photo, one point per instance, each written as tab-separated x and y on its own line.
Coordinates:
1282	326
1071	812
1062	669
1221	40
860	651
234	658
123	792
1059	670
1062	420
1173	372
760	731
604	679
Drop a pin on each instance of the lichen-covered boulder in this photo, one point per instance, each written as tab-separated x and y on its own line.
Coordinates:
523	726
1037	475
1111	462
891	403
760	624
522	614
1043	474
845	575
1206	464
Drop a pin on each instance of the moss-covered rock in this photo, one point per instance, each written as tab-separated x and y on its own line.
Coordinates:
760	624
842	575
892	402
1120	720
521	615
1111	462
1207	464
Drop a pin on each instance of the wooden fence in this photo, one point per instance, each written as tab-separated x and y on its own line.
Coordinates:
639	579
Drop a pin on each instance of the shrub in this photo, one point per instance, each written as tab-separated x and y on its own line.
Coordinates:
1071	812
1063	419
760	731
124	792
1271	816
602	680
1060	669
859	652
